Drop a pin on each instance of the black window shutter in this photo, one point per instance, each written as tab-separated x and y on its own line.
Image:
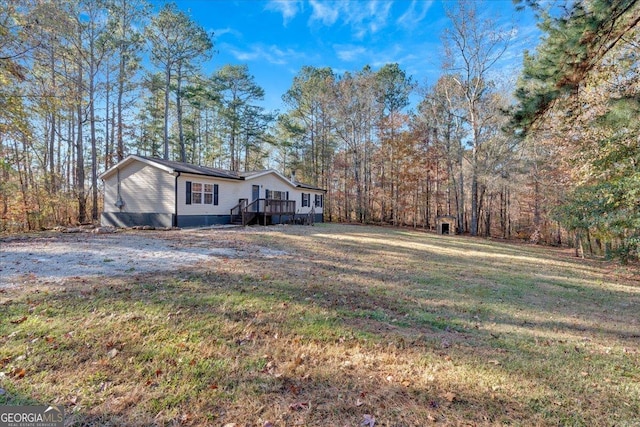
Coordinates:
267	194
287	195
188	200
215	194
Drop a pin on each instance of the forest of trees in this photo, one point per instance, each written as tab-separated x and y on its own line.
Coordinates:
83	83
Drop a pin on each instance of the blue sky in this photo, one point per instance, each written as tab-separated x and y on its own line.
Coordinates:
277	38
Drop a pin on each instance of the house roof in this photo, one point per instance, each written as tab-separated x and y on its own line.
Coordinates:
196	170
172	167
257	174
307	186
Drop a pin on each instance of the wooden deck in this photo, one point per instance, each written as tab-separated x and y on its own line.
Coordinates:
261	211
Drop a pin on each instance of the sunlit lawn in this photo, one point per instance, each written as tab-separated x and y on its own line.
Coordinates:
352	323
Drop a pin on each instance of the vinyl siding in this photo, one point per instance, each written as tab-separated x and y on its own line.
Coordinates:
273	182
110	194
227	196
306	209
143	188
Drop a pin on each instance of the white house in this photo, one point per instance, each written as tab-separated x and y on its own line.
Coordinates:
148	191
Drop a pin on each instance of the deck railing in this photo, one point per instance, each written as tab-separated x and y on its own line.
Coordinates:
237	210
279	207
266	207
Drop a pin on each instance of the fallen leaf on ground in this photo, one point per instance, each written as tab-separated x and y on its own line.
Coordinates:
299	406
369	421
18	321
294	389
19	372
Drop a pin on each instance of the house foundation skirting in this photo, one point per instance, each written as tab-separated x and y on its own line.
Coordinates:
290	219
186	221
128	219
131	219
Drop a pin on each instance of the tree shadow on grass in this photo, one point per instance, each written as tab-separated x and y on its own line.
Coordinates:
317	341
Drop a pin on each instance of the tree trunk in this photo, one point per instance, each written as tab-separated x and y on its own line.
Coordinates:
52	137
234	130
92	122
167	86
579	248
183	150
79	176
121	77
107	149
475	209
460	193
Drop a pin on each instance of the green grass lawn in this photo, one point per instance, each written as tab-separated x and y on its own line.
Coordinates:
344	324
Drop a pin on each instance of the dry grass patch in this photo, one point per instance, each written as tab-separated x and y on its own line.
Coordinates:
331	324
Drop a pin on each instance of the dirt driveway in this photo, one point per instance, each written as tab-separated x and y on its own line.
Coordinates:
53	257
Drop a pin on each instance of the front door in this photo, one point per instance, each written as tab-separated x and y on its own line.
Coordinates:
255	192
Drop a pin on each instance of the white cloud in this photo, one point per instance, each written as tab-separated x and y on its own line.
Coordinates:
363	17
416	12
222	31
350	52
376	17
288	8
327	13
405	56
271	54
396	53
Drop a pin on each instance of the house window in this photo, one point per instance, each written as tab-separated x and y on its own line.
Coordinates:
196	193
199	193
208	194
306	200
276	195
319	200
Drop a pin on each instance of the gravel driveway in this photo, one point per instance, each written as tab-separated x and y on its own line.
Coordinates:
54	257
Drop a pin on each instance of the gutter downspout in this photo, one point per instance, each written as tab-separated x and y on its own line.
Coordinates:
175	192
119	202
